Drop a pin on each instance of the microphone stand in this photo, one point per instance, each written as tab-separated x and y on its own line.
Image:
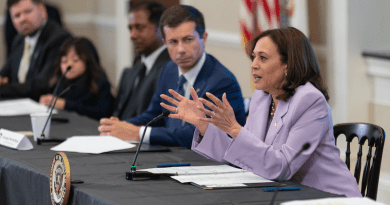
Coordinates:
141	175
39	141
58	85
281	178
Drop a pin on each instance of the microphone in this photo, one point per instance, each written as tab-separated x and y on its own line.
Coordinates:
39	141
282	176
58	85
140	175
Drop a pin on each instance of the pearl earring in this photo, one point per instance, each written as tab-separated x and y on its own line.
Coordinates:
285	74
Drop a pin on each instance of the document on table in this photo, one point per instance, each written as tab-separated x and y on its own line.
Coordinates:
335	201
192	170
219	176
92	144
24	106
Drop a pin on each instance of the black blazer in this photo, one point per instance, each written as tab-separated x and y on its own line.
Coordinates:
141	98
41	63
81	100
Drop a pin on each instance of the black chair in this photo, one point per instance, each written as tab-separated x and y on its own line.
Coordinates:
375	136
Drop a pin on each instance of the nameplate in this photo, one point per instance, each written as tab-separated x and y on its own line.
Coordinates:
14	140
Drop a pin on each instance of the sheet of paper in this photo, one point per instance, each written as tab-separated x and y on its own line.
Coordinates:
222	178
92	144
210	176
24	106
335	201
193	170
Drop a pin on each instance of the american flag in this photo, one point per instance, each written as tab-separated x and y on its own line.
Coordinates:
257	16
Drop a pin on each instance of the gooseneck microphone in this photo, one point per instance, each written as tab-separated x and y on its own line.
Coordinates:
39	141
282	176
56	87
140	175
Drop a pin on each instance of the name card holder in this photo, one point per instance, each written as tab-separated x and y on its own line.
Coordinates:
14	140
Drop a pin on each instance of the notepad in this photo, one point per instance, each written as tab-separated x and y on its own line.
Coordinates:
214	177
18	107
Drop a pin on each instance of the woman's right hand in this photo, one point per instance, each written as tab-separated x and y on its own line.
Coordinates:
46	99
186	109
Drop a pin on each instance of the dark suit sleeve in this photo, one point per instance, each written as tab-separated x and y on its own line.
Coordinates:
95	107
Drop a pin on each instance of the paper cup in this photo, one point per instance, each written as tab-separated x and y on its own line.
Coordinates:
38	121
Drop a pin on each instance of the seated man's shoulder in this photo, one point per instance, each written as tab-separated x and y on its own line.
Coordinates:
221	73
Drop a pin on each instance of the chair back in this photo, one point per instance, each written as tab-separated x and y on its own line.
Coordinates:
375	136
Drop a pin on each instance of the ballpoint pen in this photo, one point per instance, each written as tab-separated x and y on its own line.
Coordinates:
272	189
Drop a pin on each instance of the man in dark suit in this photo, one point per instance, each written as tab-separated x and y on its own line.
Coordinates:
184	34
138	84
29	65
10	32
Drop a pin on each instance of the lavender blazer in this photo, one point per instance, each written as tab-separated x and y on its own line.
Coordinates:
305	117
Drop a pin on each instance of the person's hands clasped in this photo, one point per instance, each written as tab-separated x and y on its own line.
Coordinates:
3	80
186	109
222	114
122	130
49	98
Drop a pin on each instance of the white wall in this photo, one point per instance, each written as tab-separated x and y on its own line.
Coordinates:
368	29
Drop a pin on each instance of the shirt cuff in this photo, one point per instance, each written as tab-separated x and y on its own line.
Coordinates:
147	134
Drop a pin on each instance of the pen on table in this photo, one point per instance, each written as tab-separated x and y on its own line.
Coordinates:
173	165
271	189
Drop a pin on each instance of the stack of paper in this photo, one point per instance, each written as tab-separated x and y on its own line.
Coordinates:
212	176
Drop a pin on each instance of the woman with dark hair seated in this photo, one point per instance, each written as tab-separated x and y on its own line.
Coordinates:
288	109
91	93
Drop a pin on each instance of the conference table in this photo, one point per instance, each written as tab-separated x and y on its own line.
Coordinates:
24	175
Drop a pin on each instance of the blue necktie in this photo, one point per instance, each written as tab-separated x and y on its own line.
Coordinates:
180	83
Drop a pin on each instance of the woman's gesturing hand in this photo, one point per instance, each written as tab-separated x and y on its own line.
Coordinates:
186	109
222	115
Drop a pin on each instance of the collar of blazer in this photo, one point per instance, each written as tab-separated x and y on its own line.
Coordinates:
277	122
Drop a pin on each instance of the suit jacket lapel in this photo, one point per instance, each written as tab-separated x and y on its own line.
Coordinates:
42	39
201	79
277	122
132	78
260	117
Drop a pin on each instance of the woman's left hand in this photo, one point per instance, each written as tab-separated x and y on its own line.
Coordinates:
222	115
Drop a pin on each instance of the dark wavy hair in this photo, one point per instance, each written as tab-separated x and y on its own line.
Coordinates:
88	54
179	14
154	9
295	51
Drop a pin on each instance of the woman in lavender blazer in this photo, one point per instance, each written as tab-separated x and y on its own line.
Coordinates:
288	109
